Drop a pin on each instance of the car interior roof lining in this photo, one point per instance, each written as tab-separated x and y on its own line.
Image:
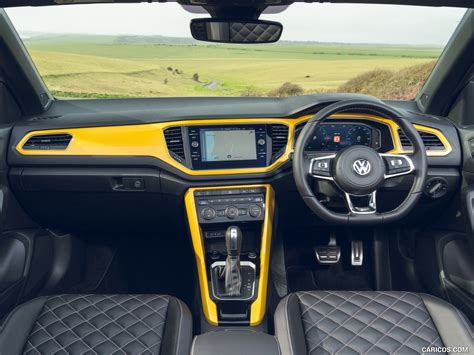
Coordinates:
435	3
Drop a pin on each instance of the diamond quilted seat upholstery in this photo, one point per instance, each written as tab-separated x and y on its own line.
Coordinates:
98	324
347	322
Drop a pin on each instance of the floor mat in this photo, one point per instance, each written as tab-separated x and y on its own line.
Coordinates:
142	264
335	277
342	277
300	279
98	260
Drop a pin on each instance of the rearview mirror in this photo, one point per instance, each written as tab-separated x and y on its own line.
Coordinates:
236	31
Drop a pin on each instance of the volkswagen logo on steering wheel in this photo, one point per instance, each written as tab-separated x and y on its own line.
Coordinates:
362	167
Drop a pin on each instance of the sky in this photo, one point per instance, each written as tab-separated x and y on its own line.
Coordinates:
347	23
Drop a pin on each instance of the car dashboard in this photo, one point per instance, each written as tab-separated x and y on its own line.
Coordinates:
98	158
228	146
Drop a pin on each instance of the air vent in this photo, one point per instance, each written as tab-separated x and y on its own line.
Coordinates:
174	141
48	142
279	134
431	141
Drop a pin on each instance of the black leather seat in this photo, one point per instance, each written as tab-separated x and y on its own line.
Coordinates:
344	322
98	324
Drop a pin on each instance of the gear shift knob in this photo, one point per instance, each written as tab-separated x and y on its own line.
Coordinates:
233	279
233	241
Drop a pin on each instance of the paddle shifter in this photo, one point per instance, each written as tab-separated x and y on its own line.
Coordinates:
232	275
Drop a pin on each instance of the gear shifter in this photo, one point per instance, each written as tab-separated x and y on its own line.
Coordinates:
233	278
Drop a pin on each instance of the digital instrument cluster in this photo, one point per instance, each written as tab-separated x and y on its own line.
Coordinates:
333	137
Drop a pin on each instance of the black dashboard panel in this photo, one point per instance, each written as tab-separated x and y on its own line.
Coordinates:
108	112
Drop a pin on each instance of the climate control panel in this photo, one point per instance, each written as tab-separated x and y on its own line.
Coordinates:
230	205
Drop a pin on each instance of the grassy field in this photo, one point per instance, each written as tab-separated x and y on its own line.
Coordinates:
124	66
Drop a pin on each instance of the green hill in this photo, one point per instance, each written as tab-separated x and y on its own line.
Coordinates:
141	66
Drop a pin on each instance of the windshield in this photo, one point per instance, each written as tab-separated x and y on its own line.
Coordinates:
146	50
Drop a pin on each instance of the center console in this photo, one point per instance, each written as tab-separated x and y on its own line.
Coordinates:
235	342
231	230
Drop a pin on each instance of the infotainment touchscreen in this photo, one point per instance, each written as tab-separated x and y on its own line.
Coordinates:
228	145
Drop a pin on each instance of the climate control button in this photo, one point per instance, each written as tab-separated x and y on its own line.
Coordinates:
231	212
208	213
255	211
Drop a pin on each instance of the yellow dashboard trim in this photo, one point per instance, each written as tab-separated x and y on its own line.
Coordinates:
393	127
148	140
258	307
434	153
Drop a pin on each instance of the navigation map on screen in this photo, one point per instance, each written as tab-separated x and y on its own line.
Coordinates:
228	145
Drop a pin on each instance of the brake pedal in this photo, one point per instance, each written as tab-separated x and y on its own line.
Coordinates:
357	253
328	254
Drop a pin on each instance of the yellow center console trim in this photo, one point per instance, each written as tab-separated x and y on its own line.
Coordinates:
209	308
148	140
258	307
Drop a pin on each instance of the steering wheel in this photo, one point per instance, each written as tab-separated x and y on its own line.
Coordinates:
358	171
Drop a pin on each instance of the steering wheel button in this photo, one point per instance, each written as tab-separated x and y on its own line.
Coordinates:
399	170
321	167
394	163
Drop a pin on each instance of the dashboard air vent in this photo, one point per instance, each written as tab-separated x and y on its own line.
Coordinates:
48	142
431	141
279	134
174	141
